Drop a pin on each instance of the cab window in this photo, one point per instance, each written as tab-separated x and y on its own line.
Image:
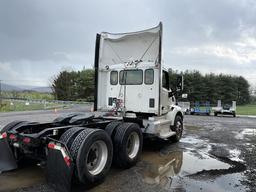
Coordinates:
131	77
149	76
165	80
113	77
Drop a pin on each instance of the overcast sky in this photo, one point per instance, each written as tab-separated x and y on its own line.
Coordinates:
40	38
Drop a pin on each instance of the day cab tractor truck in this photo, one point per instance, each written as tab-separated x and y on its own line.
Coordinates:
225	109
132	101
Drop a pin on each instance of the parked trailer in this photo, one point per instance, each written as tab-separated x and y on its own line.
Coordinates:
133	100
201	109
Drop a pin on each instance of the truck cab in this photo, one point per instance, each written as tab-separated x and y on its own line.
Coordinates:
130	79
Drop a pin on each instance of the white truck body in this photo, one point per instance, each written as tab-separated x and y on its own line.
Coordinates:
131	79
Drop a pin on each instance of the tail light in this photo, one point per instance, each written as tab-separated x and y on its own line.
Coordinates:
3	135
13	137
26	140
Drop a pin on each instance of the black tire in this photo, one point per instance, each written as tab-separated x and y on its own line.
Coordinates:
126	132
178	128
111	128
11	125
81	149
234	114
68	136
215	114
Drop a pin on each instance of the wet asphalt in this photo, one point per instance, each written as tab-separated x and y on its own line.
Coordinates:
215	154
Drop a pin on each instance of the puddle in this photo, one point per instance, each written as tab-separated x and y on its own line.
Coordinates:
160	169
234	155
249	132
191	140
25	177
195	163
245	132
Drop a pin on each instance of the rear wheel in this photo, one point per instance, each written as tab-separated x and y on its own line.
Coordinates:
128	143
92	151
111	128
68	136
234	114
215	114
178	128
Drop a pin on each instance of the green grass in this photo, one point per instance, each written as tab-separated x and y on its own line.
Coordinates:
28	95
246	109
8	106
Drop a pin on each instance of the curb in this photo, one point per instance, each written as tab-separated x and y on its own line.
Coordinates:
248	116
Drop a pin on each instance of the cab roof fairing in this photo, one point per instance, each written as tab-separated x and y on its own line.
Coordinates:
122	48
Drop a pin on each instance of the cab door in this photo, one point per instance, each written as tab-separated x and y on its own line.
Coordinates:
164	107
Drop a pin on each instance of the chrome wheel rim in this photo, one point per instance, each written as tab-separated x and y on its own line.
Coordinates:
133	145
97	157
179	129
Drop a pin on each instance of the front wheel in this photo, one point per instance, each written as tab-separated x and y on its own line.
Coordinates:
178	128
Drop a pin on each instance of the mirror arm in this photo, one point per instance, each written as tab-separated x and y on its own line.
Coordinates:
172	93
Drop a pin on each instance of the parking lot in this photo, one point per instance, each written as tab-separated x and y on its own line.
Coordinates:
215	154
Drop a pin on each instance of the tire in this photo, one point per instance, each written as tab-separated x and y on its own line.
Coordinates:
68	136
234	114
128	141
111	128
11	125
215	114
87	145
178	128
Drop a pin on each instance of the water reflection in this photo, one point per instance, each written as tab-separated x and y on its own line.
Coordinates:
161	168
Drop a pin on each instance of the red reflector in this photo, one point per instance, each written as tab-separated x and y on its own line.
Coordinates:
67	160
51	145
4	135
26	140
12	137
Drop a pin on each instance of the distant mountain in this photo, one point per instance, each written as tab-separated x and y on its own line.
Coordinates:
7	87
42	89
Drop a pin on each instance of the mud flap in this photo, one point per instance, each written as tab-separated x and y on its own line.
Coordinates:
59	173
7	160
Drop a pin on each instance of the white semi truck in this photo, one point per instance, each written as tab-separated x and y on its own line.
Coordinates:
132	100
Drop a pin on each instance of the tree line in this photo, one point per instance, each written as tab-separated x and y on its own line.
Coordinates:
212	87
74	85
79	85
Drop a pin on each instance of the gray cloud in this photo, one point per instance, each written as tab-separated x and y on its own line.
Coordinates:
39	38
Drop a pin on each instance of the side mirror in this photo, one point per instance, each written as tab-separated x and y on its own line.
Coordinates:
179	83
